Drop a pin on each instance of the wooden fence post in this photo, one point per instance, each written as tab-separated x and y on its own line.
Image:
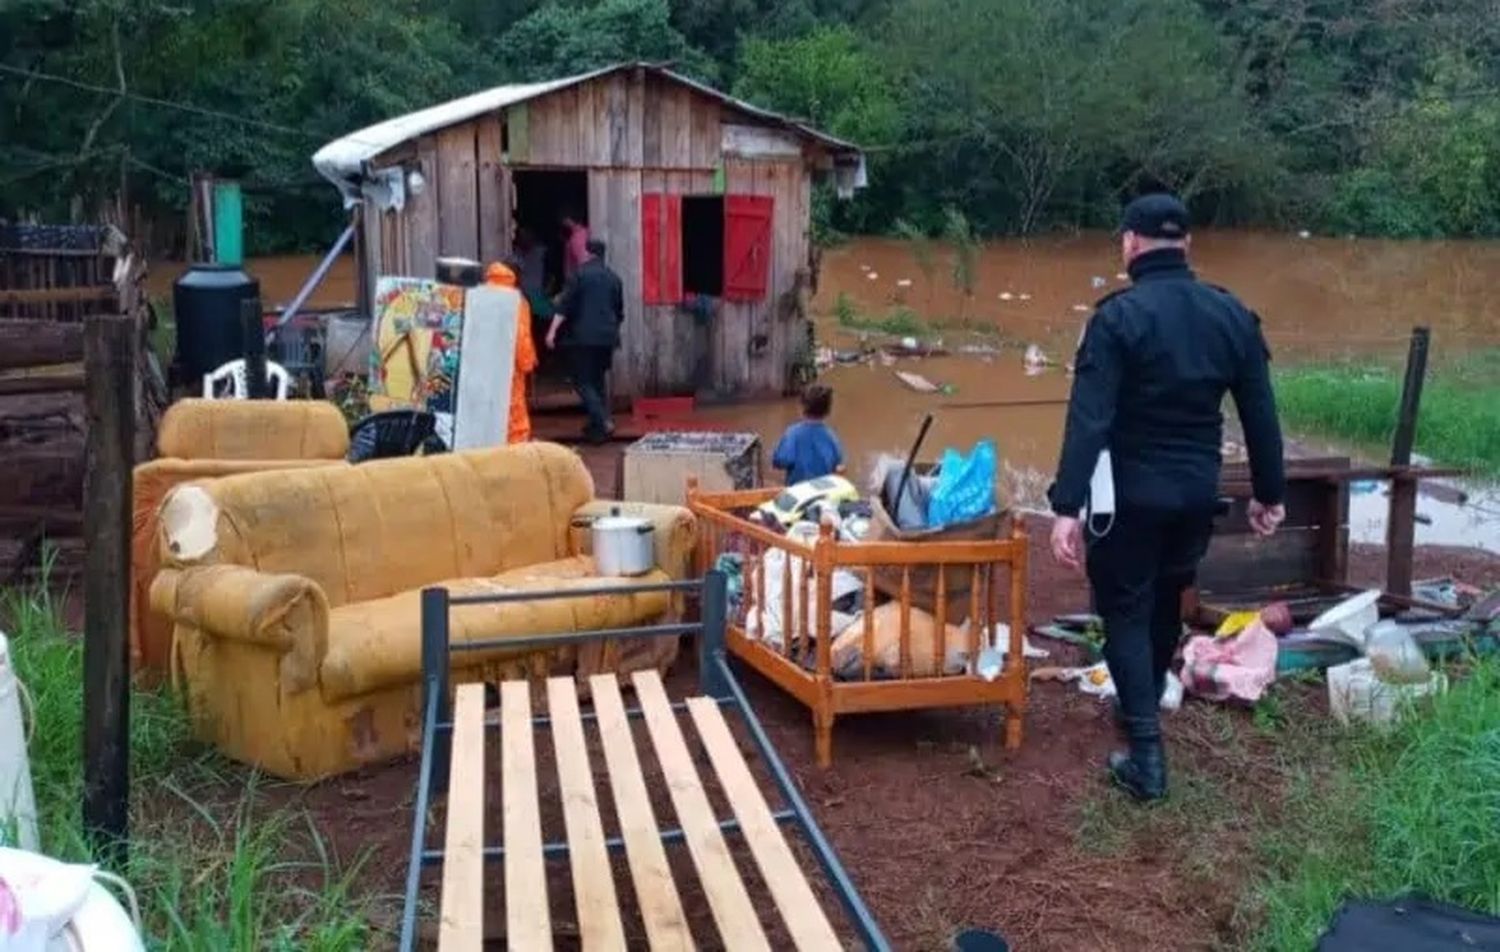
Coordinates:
109	401
1400	530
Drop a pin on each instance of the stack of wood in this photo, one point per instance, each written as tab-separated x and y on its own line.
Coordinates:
42	419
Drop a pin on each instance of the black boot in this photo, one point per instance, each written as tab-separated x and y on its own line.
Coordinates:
1142	773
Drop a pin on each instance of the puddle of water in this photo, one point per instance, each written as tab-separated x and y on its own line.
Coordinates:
1442	518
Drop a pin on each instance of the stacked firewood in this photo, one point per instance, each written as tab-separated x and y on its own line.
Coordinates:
42	420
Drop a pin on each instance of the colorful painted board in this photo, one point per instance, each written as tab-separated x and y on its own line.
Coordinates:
418	324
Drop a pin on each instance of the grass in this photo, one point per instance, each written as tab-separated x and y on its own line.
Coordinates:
1296	815
902	321
210	870
1415	809
1459	423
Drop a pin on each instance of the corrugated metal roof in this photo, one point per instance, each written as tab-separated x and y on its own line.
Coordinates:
343	161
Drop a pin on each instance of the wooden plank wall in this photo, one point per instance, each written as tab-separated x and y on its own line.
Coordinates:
635	133
623	121
738	370
668	332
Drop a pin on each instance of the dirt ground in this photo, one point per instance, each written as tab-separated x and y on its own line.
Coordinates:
941	829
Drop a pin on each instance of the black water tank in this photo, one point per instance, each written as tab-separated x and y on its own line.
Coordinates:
206	306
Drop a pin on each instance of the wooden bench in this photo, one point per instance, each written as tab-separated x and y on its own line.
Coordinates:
658	897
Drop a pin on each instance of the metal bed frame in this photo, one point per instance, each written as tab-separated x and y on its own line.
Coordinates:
716	680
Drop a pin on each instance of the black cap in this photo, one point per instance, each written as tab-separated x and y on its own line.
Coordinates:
1160	215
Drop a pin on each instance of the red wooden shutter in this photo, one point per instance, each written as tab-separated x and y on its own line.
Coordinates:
661	248
651	249
747	247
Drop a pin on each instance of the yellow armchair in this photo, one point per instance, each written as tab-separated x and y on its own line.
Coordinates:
208	439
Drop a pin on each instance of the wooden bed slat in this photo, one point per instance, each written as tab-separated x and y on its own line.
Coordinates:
661	909
462	907
799	906
727	898
599	922
528	922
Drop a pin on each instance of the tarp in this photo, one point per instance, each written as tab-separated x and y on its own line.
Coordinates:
1409	925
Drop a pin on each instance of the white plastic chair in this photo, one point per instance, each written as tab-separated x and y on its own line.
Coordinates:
234	373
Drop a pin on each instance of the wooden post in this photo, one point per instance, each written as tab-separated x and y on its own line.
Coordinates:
253	344
109	400
1400	537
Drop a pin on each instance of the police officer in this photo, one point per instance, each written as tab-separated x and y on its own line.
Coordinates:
1151	374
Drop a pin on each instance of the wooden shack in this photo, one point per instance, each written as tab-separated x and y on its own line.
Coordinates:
704	203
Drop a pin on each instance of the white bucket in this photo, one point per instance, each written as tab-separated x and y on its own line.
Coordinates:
17	801
1356	693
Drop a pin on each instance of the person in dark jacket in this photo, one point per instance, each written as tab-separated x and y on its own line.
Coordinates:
1152	370
587	325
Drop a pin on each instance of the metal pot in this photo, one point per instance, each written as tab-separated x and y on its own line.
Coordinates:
623	545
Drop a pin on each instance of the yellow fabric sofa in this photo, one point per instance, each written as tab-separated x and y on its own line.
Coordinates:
295	594
206	439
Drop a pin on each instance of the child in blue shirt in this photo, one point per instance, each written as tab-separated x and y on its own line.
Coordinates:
809	449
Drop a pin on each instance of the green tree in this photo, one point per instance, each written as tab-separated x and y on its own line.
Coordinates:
562	39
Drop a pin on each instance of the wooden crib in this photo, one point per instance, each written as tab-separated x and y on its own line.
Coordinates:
951	581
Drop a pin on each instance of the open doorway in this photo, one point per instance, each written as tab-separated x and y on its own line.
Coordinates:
544	199
703	245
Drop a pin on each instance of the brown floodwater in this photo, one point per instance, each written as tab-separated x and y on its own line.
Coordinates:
1318	297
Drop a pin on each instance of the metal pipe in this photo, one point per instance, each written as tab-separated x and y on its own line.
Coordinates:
560	848
319	273
556	593
569	638
869	929
419	827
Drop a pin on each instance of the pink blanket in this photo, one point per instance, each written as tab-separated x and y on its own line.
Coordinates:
1238	668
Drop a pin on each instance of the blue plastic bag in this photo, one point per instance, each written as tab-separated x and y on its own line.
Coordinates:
965	487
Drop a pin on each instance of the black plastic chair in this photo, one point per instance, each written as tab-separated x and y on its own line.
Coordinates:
394	433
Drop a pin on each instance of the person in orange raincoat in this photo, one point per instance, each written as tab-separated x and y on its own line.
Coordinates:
519	430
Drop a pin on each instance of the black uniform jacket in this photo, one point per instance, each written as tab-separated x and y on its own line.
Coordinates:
593	306
1151	375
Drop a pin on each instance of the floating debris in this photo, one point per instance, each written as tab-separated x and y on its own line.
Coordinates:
1035	360
1006	295
887	359
917	382
1097	282
1081	308
872	275
1121	276
982	350
825	358
1304	234
864	267
904	283
911	347
1025	297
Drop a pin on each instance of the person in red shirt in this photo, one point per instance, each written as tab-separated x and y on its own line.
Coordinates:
575	244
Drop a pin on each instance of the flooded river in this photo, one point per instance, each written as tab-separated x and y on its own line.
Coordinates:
1318	298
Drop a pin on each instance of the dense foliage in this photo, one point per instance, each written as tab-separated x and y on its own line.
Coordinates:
1347	115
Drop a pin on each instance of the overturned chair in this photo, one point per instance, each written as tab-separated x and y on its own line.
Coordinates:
295	595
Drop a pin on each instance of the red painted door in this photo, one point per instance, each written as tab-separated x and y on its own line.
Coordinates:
747	247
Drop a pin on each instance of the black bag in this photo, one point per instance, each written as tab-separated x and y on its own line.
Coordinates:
1409	924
